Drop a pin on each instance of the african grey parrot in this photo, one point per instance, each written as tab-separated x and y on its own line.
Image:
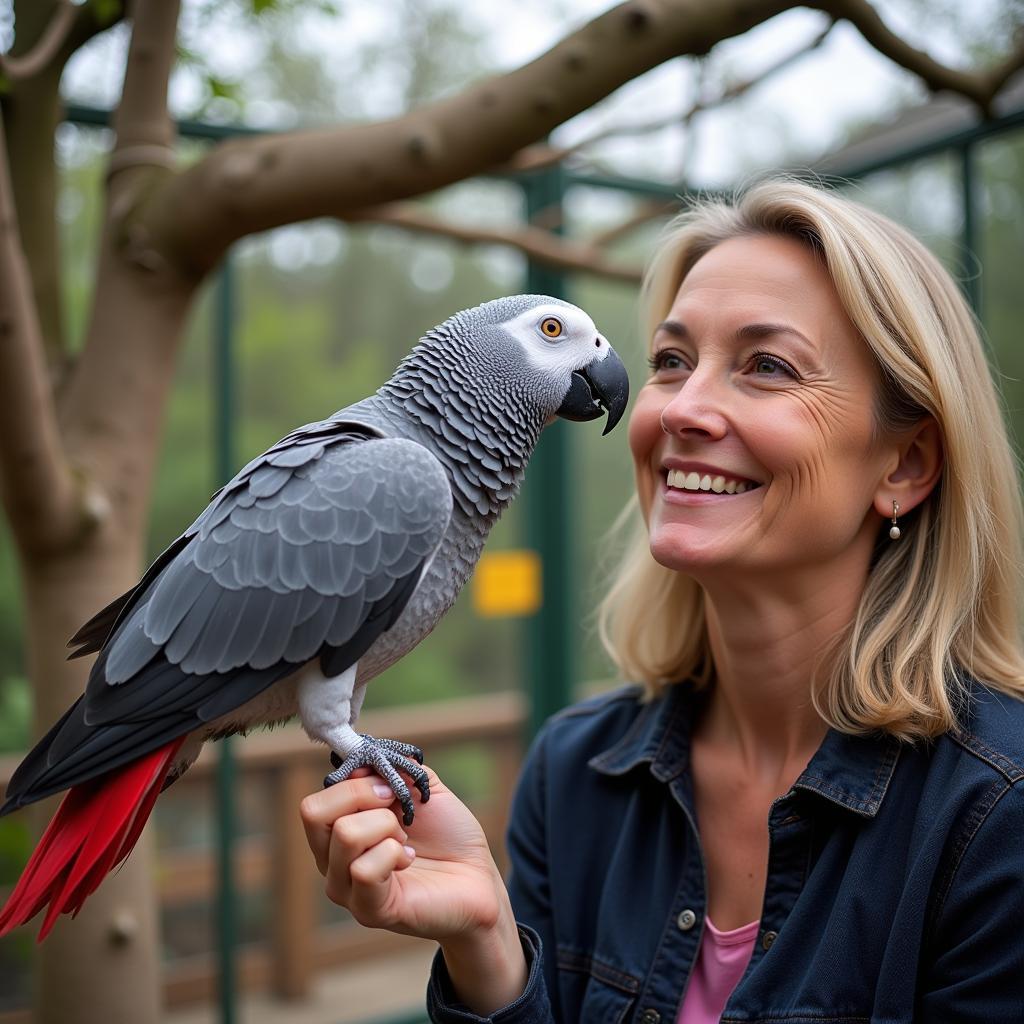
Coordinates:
321	563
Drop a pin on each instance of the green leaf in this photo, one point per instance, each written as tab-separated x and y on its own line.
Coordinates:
222	88
106	11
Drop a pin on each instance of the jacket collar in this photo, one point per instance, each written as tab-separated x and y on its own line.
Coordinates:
852	772
658	737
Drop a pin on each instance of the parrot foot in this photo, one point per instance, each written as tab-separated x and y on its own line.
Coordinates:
384	757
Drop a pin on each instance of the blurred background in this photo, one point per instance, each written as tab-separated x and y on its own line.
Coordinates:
316	315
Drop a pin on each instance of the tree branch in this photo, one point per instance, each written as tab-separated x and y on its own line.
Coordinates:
89	23
650	210
537	157
113	403
979	86
535	242
142	118
38	486
50	45
254	184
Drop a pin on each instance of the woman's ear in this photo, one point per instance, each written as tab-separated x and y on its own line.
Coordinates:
915	469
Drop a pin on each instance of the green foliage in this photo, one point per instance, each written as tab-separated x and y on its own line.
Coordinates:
106	12
15	713
15	847
15	701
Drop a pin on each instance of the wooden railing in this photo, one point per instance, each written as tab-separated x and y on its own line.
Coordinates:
287	766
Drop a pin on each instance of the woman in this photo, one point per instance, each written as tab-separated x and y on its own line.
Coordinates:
812	808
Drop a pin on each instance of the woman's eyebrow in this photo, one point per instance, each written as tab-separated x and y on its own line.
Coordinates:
673	327
764	330
748	332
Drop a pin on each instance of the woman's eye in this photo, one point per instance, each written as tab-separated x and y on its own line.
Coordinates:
765	364
666	359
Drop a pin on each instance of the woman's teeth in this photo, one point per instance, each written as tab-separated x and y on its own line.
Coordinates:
696	482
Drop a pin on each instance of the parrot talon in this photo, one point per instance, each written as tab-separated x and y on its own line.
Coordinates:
385	757
397	747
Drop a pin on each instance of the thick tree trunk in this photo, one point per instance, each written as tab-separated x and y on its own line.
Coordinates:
77	474
111	415
111	950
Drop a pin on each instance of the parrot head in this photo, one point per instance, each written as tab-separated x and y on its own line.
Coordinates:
548	354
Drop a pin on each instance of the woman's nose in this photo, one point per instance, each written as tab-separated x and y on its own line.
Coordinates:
695	410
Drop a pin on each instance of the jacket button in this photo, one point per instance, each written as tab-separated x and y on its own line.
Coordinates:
650	1017
686	920
768	940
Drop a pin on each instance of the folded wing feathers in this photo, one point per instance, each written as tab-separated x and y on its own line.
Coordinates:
297	568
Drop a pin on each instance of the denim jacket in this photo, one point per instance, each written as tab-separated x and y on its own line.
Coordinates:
894	889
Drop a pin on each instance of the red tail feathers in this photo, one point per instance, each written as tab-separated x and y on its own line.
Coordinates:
94	829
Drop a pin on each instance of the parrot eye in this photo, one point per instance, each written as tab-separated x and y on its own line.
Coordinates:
551	327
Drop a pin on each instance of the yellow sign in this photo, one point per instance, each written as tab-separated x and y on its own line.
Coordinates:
507	583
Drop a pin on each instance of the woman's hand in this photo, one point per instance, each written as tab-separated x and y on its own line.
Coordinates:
437	881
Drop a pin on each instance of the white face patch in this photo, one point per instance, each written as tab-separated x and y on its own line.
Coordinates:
577	345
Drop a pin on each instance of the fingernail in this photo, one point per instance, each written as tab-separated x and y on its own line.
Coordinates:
409	852
382	791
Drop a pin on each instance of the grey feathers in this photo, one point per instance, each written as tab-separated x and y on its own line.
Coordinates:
290	558
485	448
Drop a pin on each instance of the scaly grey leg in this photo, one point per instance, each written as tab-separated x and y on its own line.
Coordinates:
326	708
385	757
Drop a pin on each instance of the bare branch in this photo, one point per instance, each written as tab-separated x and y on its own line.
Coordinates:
142	118
533	241
89	24
50	45
38	486
1002	72
979	86
253	184
648	211
537	157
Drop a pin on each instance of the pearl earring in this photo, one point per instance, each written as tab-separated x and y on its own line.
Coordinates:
894	530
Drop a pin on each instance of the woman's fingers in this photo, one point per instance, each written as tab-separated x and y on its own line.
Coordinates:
351	838
353	835
369	881
320	811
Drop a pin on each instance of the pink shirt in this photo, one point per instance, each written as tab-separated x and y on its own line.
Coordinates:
721	961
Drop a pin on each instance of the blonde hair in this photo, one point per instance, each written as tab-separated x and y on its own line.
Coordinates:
947	597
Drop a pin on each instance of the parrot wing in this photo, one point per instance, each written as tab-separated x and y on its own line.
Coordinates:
312	551
91	637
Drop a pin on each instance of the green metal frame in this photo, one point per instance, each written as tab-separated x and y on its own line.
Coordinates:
549	493
225	377
549	496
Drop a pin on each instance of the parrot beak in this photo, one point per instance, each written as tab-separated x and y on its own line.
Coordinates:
602	385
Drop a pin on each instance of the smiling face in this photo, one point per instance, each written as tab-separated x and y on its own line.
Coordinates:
754	439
